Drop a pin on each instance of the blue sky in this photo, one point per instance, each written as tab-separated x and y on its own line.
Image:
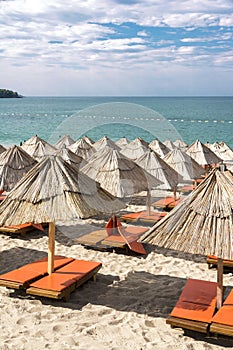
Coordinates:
117	47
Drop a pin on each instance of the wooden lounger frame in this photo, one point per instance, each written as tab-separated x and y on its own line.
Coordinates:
222	322
196	306
73	283
212	262
22	277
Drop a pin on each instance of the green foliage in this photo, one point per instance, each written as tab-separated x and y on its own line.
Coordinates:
4	93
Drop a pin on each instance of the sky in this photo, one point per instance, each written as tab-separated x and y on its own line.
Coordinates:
117	47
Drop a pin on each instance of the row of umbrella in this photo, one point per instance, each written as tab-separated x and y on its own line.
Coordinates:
164	167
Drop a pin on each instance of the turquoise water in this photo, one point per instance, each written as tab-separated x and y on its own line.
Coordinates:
190	118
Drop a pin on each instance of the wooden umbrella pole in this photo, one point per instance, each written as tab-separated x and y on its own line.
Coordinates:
148	202
220	283
51	247
175	193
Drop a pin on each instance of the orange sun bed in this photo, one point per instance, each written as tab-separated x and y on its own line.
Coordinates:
65	280
23	276
166	203
212	261
222	322
21	229
143	217
195	307
115	236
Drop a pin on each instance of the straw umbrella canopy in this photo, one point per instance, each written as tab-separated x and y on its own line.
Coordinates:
186	166
222	150
169	144
2	149
181	144
202	223
159	147
122	142
135	148
38	148
88	139
104	142
157	167
202	154
70	157
54	191
14	163
118	174
65	140
82	148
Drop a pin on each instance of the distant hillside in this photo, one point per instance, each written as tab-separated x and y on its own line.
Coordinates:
4	93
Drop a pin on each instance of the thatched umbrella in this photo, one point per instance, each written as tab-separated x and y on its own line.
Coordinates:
14	163
222	150
186	166
2	149
66	140
118	174
55	191
181	144
202	223
105	142
38	148
135	148
122	142
202	154
159	147
82	148
70	157
169	144
157	167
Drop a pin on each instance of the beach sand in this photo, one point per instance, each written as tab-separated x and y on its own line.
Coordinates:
125	309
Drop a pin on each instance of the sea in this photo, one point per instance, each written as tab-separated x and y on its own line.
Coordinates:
208	119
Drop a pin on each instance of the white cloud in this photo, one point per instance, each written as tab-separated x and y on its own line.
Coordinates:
83	41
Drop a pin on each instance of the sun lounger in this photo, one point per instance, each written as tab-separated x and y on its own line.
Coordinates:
21	229
195	307
143	217
188	188
115	236
65	280
222	322
166	203
212	261
23	276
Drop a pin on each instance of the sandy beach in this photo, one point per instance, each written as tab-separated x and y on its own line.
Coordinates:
126	308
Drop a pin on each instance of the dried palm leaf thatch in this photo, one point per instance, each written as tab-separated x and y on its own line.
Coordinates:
184	165
156	166
66	141
160	148
70	157
117	174
222	150
82	148
55	191
202	154
2	149
14	163
122	142
105	142
38	148
203	222
135	149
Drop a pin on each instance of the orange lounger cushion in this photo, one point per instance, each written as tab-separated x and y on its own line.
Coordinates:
199	292
66	276
224	315
164	202
36	269
192	311
229	299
